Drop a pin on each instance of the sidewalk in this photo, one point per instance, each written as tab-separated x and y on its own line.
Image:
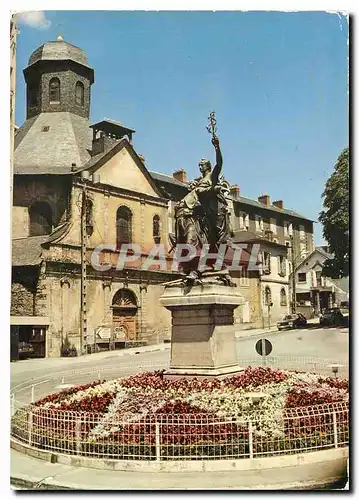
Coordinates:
32	474
131	351
252	332
28	473
255	331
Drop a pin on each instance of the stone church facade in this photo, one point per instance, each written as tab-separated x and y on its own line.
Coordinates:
63	167
78	186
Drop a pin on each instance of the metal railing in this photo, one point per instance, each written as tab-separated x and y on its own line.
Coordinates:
198	436
183	436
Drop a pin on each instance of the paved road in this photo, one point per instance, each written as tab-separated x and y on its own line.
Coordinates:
313	342
322	343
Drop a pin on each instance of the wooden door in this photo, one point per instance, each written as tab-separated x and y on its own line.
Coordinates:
124	325
124	313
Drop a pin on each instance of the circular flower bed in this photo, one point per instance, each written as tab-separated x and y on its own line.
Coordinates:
147	416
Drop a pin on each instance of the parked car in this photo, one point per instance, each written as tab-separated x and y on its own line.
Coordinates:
26	350
332	317
296	320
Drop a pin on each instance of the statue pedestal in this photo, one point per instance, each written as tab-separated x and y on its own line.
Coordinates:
203	340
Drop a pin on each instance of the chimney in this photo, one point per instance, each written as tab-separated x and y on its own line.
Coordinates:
142	158
264	199
102	143
278	203
235	191
180	175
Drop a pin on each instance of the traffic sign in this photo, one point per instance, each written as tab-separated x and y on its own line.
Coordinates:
264	347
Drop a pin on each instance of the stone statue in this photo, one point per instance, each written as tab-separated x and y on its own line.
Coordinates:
202	216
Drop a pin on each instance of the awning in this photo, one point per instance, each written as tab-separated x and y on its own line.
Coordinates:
29	320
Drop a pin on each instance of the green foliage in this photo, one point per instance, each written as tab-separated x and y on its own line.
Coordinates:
68	350
335	218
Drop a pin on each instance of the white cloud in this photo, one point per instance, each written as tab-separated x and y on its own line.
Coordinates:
34	19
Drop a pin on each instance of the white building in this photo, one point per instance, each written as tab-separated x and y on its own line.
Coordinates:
313	290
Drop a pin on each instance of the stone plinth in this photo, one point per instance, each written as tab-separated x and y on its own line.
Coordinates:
203	337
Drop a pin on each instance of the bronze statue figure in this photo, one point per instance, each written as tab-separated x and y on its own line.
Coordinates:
202	216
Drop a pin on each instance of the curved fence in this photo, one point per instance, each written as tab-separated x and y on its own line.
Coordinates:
193	436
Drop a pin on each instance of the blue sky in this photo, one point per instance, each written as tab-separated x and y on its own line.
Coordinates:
277	81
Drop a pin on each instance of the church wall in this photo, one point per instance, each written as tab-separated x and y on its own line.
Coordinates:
58	298
121	171
105	206
30	189
20	222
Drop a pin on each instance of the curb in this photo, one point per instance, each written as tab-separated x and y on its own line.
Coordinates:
280	461
48	485
318	472
131	351
23	482
253	333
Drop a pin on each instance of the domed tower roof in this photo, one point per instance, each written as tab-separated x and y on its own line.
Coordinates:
56	132
57	51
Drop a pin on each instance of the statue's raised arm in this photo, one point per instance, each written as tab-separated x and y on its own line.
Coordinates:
216	172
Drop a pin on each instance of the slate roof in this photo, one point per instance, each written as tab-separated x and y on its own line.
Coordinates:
324	251
111	126
67	141
57	51
168	179
117	145
272	208
95	159
27	251
59	232
316	250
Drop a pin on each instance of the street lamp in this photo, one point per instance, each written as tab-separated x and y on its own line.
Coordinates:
335	368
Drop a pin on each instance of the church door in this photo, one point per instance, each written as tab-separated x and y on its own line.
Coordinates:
124	313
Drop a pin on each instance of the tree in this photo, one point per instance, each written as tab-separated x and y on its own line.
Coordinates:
335	218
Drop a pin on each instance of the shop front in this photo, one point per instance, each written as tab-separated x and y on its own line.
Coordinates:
28	337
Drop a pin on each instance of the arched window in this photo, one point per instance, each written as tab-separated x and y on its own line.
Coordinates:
40	216
123	226
267	296
283	297
282	271
79	94
124	298
266	259
54	90
156	229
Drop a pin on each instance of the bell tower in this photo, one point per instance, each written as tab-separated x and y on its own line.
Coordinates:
58	78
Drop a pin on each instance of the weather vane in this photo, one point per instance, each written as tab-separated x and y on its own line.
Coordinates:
212	128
